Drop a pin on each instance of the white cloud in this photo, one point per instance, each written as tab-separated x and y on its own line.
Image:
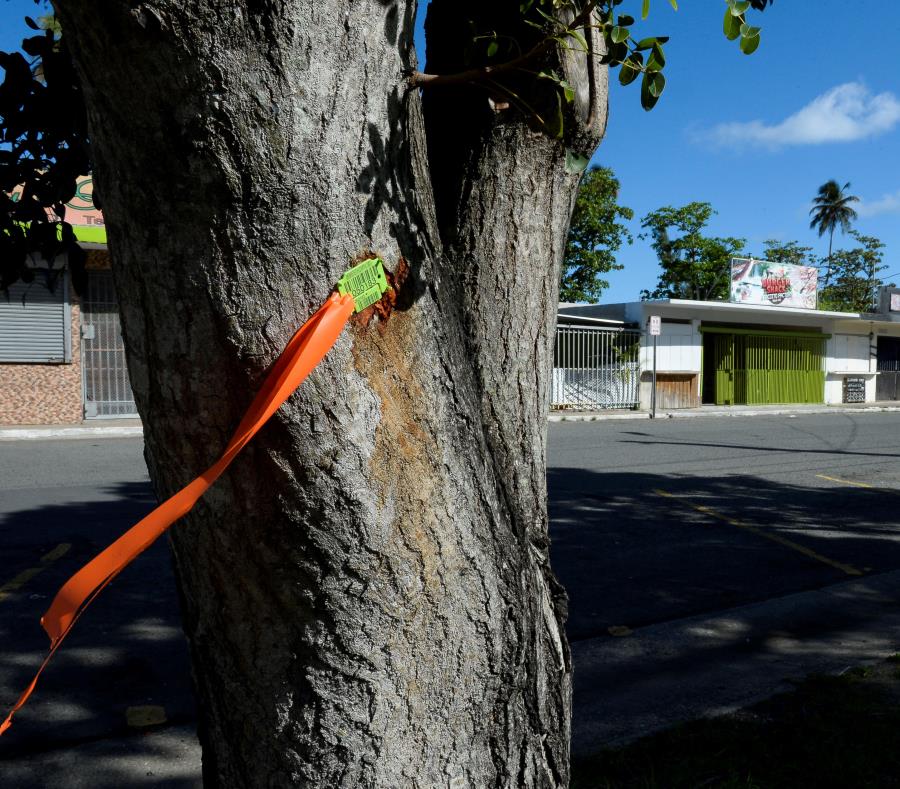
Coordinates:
888	204
845	113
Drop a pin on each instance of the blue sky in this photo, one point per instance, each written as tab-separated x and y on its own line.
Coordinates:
753	135
756	135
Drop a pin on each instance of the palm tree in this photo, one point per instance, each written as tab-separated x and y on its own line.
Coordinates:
831	208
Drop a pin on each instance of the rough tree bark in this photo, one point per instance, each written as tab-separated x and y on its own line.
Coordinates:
367	592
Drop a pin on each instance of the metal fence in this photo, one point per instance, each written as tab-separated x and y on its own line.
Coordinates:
595	368
107	391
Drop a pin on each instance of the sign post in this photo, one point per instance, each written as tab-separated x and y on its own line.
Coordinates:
655	328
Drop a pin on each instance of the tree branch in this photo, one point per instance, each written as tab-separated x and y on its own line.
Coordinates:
419	79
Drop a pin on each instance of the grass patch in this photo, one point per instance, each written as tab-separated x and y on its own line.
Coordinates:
830	732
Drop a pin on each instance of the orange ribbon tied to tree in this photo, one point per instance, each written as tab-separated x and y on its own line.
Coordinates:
359	288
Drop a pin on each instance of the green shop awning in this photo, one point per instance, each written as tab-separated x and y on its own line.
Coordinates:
90	235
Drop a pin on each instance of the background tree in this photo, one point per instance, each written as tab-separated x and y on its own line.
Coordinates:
855	281
831	209
44	147
595	235
694	266
790	252
367	592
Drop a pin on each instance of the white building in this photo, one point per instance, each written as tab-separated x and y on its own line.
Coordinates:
729	354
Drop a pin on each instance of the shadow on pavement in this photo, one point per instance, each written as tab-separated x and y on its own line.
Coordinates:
627	555
127	650
714	617
630	556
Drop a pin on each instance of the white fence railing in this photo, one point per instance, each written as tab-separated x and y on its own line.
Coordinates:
595	368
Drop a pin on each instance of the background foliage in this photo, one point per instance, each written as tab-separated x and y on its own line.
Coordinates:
694	266
595	235
44	148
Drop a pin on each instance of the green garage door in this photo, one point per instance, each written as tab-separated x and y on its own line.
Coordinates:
756	367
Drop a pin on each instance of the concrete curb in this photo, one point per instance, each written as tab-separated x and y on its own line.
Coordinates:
55	433
601	416
597	416
707	665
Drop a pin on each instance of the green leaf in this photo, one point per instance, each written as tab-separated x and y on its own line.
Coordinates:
674	4
731	26
625	21
749	32
645	9
575	162
492	48
554	125
739	7
651	89
749	45
619	34
617	52
551	19
648	102
577	35
568	91
657	60
630	70
647	43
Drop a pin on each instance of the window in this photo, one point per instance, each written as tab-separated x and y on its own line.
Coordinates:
35	321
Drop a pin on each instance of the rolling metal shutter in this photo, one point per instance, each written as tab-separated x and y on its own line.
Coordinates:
756	367
35	323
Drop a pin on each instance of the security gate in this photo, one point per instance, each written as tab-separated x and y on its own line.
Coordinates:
107	391
595	368
755	367
887	382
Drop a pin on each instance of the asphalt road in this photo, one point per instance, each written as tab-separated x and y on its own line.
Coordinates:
126	663
651	522
655	521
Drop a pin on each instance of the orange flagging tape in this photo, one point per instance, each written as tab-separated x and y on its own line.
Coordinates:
303	352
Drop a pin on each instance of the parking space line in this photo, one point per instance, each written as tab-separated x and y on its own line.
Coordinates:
846	482
777	538
26	575
143	717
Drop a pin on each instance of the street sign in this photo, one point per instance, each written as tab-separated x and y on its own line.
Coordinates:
655	325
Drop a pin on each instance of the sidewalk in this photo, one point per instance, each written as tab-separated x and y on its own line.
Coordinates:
725	411
624	687
94	428
130	428
660	675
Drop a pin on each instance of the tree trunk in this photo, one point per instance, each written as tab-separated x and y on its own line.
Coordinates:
366	592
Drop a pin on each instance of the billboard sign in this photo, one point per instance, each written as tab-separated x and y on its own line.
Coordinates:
86	219
773	284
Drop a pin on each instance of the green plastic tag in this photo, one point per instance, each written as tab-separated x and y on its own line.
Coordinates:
365	282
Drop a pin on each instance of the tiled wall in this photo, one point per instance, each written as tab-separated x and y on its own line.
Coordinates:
44	394
97	260
48	394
